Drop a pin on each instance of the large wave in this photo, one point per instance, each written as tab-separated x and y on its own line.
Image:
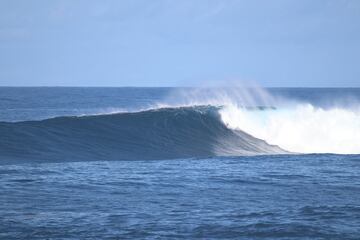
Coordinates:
164	133
190	123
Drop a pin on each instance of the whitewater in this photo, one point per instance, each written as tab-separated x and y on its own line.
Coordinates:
302	128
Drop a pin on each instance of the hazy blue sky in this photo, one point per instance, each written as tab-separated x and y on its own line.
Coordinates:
177	43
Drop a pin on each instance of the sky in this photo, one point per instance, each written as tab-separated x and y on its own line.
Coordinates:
277	43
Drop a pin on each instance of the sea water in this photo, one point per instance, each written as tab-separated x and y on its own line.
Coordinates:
162	163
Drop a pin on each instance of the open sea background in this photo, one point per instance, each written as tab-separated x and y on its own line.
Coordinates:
171	163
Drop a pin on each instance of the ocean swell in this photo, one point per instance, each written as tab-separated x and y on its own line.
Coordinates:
165	133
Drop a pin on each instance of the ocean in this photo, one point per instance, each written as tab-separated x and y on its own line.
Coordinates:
179	163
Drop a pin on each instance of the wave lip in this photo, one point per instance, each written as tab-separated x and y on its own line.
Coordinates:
165	133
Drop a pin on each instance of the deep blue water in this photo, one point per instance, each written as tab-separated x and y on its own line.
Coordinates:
71	170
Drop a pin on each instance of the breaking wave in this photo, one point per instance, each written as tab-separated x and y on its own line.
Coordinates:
326	121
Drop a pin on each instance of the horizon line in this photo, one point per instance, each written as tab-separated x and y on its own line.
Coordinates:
68	86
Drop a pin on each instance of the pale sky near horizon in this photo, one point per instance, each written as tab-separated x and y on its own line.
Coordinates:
276	43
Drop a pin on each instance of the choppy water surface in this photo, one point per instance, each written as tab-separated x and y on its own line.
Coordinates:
297	197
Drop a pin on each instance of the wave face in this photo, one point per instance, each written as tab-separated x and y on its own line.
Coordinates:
165	133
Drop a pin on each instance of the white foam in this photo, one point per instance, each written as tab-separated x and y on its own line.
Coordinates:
302	128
